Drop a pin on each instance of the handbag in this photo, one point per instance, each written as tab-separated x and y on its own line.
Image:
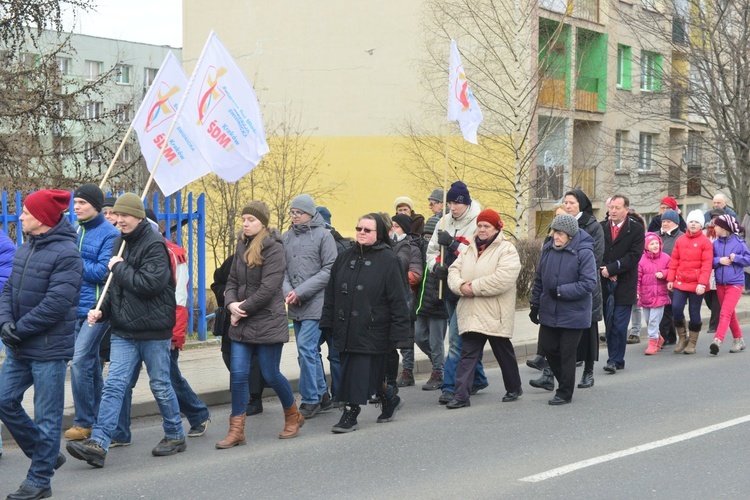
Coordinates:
221	321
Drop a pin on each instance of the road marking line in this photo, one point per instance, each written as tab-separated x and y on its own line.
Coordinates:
559	471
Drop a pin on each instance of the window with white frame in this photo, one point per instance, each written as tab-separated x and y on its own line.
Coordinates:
650	62
63	65
646	152
122	114
93	69
619	138
126	155
122	74
694	152
93	110
149	75
91	152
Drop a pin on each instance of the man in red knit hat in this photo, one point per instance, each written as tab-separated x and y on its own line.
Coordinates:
37	316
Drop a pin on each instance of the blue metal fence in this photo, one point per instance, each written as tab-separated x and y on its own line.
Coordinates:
168	209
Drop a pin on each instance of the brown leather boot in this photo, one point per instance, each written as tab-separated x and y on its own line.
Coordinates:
695	330
682	340
236	435
293	420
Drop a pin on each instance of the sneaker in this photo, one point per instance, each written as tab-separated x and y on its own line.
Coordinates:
118	444
87	450
77	433
168	447
738	345
445	398
715	346
348	422
198	430
435	382
634	339
475	389
390	406
406	379
309	410
326	403
254	407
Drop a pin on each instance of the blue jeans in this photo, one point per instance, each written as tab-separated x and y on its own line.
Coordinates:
86	372
126	357
617	336
693	301
455	342
269	357
312	378
429	335
334	361
39	438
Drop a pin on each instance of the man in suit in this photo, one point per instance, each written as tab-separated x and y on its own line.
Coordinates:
623	247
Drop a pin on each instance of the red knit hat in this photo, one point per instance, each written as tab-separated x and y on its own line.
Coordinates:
48	205
670	202
491	217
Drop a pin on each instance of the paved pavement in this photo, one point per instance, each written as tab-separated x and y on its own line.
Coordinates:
202	366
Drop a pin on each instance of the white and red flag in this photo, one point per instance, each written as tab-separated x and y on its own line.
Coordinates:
462	105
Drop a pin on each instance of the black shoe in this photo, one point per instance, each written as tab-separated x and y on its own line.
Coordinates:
309	410
28	492
537	362
196	430
348	422
87	450
168	447
610	368
254	407
512	396
475	389
546	381
633	339
60	461
390	403
445	398
326	403
455	403
587	380
557	400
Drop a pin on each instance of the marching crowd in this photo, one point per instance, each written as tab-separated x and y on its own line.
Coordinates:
114	290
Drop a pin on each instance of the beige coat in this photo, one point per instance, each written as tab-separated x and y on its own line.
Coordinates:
493	280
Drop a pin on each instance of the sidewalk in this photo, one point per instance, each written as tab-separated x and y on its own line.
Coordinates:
205	371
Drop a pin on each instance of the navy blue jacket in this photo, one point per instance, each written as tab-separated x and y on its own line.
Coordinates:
565	282
7	249
95	239
41	295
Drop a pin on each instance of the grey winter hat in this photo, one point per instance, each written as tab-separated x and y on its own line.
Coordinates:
565	223
305	203
436	195
671	215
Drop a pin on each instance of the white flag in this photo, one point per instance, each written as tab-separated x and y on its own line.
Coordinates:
462	105
181	163
222	109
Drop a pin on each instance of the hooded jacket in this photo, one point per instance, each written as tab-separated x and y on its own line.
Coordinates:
259	291
96	238
564	283
691	262
652	291
732	274
310	251
41	294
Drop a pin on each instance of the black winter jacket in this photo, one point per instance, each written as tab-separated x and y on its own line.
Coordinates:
365	301
430	304
621	258
41	294
140	303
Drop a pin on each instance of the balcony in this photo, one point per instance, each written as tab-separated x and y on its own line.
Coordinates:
677	104
552	90
694	184
585	180
587	94
582	9
549	182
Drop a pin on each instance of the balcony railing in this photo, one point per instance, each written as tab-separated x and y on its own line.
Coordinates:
552	91
587	94
679	30
694	184
582	9
549	182
585	179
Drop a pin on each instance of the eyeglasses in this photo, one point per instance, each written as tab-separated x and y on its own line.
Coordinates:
296	213
364	229
433	203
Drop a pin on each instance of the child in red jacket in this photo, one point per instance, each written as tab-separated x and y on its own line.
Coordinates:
652	289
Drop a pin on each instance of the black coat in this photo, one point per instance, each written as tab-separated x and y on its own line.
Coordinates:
430	304
365	301
140	304
621	258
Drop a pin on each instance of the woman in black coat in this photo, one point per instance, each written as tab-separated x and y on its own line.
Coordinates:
365	311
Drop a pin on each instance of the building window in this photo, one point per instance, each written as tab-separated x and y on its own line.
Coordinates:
63	65
122	114
93	70
650	71
126	155
91	152
149	75
694	153
623	67
646	153
618	150
93	110
122	74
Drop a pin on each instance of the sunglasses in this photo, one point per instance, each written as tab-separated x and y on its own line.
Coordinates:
364	229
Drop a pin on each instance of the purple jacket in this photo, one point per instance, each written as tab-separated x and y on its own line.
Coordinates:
732	274
652	291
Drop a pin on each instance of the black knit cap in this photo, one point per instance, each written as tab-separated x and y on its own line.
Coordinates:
404	221
109	201
92	194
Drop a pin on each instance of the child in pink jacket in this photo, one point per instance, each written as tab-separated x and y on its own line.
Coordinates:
652	289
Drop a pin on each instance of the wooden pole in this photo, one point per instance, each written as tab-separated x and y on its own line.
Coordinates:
442	214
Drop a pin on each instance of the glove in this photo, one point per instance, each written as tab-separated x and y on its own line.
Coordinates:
441	272
444	238
534	315
8	335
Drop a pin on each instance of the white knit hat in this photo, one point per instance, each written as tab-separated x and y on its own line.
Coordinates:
696	216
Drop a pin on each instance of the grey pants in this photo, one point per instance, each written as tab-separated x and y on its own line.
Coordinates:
429	335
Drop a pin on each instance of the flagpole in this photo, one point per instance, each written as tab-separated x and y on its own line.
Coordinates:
156	164
445	195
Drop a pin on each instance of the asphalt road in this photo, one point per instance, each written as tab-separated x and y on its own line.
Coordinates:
668	426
